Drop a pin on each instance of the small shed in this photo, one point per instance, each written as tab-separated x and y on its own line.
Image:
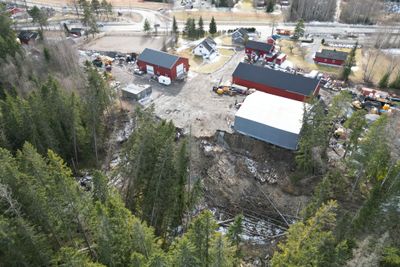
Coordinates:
160	63
280	58
273	119
136	92
331	57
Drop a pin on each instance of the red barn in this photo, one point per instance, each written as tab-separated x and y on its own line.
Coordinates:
160	63
330	57
260	50
296	87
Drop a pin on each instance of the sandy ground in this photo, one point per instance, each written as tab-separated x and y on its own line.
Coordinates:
125	43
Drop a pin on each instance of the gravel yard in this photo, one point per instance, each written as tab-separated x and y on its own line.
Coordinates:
125	43
191	104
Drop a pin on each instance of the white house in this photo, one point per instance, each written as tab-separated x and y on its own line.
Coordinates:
206	49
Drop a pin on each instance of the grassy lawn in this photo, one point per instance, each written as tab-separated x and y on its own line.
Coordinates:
224	40
226	16
198	65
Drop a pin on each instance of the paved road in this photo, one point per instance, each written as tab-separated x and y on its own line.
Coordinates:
162	18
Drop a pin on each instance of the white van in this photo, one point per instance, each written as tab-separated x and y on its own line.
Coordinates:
164	80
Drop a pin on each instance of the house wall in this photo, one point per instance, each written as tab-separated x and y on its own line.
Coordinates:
329	61
171	73
266	133
272	90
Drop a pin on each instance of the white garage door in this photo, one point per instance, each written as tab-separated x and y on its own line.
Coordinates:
179	69
149	69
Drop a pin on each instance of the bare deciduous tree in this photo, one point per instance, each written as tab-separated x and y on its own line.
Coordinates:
361	11
321	10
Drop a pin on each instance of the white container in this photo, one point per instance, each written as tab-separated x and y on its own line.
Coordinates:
164	80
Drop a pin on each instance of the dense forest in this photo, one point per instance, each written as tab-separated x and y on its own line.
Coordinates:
144	213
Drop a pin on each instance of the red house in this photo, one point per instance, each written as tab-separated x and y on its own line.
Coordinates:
330	57
292	86
258	50
160	63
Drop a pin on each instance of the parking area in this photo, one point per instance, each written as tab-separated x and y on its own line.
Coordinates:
191	104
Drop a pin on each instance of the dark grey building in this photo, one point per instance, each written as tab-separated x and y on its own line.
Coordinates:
136	92
270	118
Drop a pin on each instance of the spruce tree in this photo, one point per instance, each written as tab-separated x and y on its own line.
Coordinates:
312	243
350	62
146	26
269	8
234	234
174	26
213	27
95	5
97	100
200	29
299	29
9	45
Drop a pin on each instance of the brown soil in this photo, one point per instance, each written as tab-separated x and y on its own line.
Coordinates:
241	173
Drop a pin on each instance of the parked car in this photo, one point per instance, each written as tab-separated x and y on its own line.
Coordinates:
138	72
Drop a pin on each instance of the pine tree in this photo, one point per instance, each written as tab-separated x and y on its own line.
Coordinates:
384	81
201	233
312	243
350	62
104	7
184	254
356	124
174	26
270	6
313	139
200	29
109	9
191	28
38	16
97	100
146	26
221	253
9	45
234	234
396	82
95	5
155	174
213	27
299	29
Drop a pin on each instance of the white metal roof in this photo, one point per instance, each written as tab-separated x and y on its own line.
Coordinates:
275	111
135	89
